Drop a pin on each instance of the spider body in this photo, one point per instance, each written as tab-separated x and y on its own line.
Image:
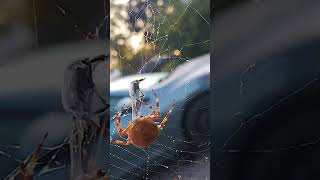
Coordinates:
143	130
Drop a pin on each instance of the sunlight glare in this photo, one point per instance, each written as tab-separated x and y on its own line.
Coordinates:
136	41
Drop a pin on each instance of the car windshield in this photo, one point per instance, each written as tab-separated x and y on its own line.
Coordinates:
198	65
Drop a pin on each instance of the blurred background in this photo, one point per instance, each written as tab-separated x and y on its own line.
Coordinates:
38	39
266	69
30	24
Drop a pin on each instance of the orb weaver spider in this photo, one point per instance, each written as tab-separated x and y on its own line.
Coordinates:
143	130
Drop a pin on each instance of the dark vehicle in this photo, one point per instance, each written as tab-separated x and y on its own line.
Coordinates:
266	96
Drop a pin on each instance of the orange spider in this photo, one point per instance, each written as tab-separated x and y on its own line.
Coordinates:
143	131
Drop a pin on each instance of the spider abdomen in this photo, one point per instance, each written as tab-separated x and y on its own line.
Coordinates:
143	133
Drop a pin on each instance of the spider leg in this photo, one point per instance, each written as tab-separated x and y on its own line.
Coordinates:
127	142
120	130
165	119
157	101
150	107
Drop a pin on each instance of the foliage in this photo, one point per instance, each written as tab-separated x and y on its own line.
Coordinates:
167	28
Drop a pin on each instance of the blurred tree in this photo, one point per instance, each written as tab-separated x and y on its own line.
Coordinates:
143	29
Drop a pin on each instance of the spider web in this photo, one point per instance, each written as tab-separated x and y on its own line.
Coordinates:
148	30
